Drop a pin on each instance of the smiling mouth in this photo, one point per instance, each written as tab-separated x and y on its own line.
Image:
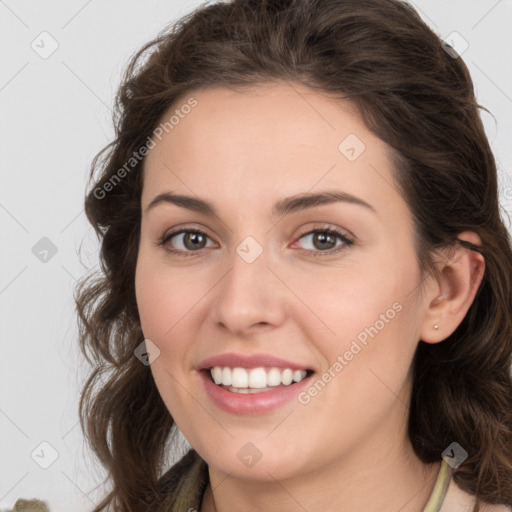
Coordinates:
255	380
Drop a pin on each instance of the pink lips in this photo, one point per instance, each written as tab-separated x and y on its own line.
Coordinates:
250	403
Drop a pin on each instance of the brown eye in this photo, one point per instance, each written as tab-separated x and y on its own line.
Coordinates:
184	241
325	240
193	240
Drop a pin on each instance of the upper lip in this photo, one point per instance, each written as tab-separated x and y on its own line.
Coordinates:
233	360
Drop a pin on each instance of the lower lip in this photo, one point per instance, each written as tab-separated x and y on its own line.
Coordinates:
251	403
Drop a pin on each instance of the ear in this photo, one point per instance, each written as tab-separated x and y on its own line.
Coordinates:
451	293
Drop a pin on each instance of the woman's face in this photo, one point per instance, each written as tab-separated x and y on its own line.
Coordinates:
347	309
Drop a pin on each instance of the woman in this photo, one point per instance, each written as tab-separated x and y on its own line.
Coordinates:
304	270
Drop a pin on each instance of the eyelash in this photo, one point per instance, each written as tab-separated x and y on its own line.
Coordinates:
347	242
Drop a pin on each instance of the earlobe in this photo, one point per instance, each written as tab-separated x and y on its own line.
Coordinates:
460	273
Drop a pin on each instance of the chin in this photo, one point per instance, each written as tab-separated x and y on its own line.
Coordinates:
259	460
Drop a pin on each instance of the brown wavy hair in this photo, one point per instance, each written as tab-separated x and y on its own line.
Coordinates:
414	95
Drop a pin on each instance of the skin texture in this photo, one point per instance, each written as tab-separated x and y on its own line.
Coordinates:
243	151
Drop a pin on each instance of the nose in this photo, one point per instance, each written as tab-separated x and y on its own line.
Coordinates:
251	296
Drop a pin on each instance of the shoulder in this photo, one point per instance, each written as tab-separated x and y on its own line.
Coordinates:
458	500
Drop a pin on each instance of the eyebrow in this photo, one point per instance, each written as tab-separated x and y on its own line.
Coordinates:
282	207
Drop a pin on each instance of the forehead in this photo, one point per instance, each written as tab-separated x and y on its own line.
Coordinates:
268	141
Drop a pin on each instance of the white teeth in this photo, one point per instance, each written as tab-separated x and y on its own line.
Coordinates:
217	375
287	377
274	377
255	378
226	377
239	378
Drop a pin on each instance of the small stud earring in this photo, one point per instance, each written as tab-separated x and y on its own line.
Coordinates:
436	326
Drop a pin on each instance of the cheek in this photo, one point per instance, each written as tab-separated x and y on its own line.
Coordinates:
164	297
368	358
170	302
368	351
165	302
364	301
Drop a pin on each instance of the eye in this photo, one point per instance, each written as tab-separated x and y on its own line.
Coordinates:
188	241
324	241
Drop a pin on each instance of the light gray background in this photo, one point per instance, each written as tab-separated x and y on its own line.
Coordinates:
55	116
